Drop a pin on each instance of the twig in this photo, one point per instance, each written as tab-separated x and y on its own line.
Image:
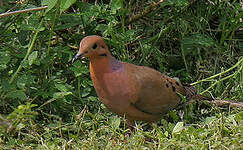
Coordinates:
22	11
152	7
217	102
224	103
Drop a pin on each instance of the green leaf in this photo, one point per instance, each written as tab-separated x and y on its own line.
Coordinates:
182	97
92	98
58	95
86	83
32	57
198	40
101	27
61	87
30	79
6	86
115	5
79	69
20	126
86	92
19	94
115	122
23	37
22	81
49	3
181	3
65	4
239	116
68	21
173	115
5	58
178	127
209	120
166	133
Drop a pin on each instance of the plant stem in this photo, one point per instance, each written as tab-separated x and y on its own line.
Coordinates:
218	82
79	90
50	37
51	32
219	74
28	52
184	57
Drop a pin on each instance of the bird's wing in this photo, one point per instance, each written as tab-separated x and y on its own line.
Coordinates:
157	93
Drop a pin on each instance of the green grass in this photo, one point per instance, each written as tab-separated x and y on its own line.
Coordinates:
41	93
104	130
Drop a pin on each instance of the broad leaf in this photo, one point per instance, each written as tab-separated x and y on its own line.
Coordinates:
49	3
178	127
58	95
22	81
18	94
32	57
115	5
65	4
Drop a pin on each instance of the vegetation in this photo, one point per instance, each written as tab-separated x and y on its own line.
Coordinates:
48	103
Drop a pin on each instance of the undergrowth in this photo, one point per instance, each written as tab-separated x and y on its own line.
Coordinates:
48	103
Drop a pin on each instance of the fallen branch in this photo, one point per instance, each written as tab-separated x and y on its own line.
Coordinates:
219	102
22	11
225	103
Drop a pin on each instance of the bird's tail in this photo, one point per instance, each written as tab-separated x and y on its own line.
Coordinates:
191	93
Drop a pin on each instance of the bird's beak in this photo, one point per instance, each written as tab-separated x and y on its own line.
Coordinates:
77	56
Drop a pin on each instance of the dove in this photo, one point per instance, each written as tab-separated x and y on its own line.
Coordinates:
136	92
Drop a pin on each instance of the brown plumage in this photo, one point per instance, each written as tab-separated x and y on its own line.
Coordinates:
136	92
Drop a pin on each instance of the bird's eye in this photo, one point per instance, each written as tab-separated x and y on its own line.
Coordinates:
95	46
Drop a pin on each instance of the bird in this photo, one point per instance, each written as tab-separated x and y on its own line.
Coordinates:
136	92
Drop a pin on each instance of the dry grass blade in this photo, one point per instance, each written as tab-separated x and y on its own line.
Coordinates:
22	11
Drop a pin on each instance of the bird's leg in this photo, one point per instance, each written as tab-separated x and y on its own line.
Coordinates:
130	124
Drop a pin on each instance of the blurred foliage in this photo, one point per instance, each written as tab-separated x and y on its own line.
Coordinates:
188	39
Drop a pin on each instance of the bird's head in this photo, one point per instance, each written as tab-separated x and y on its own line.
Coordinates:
92	47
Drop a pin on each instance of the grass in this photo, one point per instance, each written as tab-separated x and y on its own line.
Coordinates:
48	103
104	130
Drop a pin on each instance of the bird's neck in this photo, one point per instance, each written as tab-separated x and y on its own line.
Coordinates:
104	64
